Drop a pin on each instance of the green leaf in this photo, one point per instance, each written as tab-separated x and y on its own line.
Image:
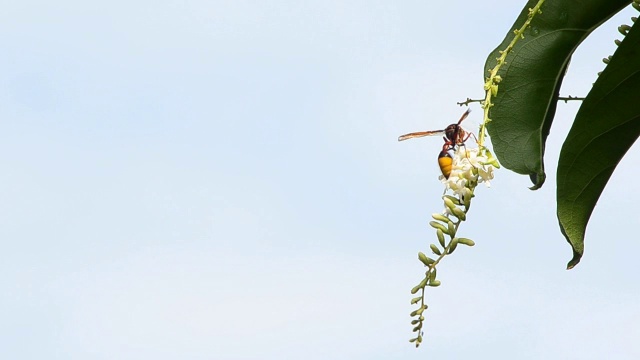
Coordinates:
526	102
606	126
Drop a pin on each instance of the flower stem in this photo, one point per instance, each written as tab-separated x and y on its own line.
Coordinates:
491	85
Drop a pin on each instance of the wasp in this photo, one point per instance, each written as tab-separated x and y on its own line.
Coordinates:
454	135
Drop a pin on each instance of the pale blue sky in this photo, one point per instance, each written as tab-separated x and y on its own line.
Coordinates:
221	180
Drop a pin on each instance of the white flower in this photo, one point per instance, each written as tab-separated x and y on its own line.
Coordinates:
469	168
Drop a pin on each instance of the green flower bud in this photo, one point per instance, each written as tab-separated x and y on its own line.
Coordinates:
452	198
417	328
452	245
422	284
465	241
467	198
624	29
415	289
437	225
434	283
440	217
459	213
451	229
432	275
440	237
415	300
425	259
417	312
435	249
449	203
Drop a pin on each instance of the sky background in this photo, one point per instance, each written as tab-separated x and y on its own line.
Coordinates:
222	180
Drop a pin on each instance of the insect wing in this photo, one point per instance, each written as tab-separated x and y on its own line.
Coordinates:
464	116
420	134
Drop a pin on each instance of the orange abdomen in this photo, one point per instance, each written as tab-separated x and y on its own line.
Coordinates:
445	161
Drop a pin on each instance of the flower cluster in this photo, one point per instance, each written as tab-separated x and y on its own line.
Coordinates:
469	168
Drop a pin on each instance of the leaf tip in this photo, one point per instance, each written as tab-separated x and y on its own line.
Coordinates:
537	179
577	245
576	259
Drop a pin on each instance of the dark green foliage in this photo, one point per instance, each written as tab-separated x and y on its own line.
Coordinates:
606	126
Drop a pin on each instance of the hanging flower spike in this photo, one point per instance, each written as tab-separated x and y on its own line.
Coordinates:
470	167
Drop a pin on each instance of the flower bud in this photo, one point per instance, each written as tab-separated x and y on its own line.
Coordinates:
494	90
435	249
439	217
438	226
432	274
425	259
440	237
449	203
452	245
459	214
451	229
466	196
416	300
422	284
452	198
434	283
417	311
466	241
624	29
